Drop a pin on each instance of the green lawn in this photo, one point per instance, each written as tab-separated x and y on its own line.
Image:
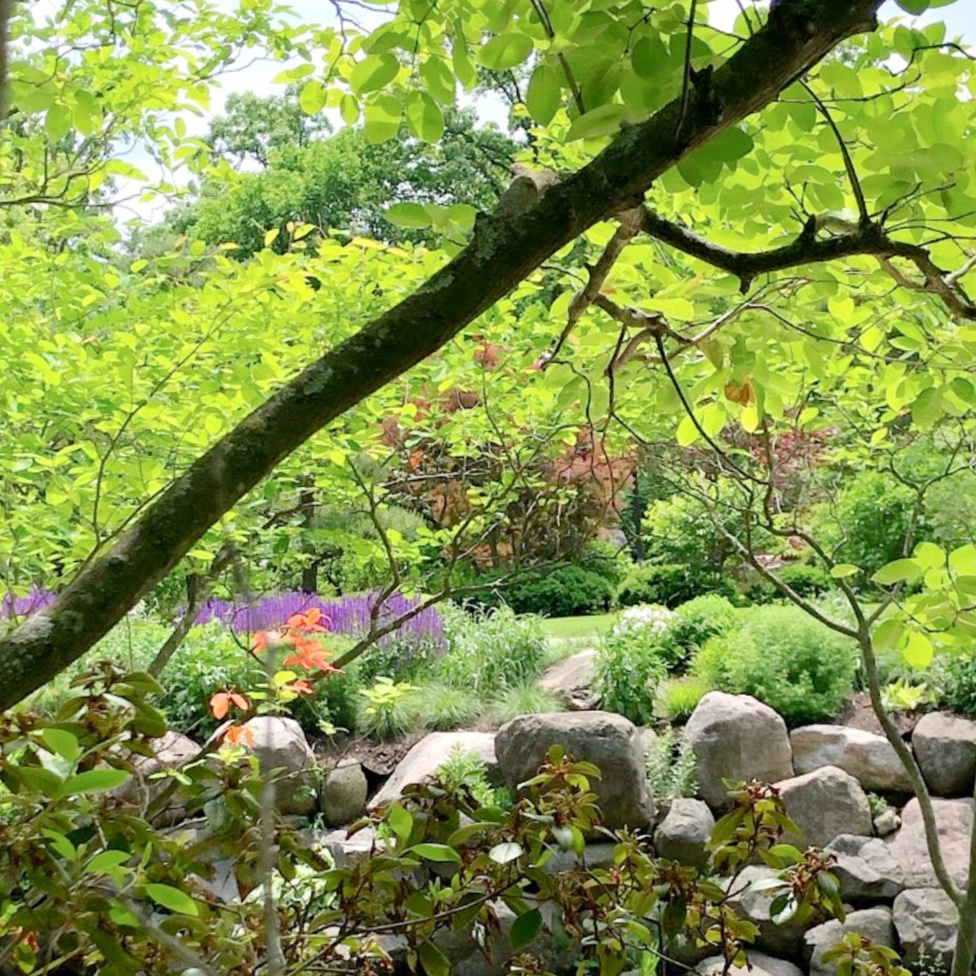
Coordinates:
578	626
568	635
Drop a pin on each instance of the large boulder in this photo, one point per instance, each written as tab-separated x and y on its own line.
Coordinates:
954	820
737	737
870	759
343	795
281	746
784	940
427	756
865	868
572	680
824	804
872	923
926	921
945	747
684	832
607	740
759	965
170	751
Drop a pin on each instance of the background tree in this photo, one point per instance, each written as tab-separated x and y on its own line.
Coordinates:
343	180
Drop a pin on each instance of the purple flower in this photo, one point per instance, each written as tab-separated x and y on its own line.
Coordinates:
348	615
23	606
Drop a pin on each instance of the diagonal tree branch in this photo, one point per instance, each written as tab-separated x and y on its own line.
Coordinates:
869	239
505	248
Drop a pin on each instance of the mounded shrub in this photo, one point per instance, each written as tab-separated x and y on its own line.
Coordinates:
700	619
785	658
569	591
669	584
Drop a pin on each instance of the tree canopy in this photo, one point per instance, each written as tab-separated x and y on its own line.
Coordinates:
767	227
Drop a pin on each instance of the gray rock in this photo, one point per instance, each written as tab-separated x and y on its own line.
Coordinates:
737	737
870	759
426	756
784	940
824	804
608	740
872	923
954	820
649	739
945	747
759	965
343	795
865	868
597	856
926	922
281	746
346	849
572	680
684	832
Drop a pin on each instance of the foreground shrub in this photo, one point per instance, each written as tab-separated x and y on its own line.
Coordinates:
128	897
632	661
669	584
491	651
785	658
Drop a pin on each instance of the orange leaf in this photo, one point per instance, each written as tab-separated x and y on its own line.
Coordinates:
265	638
238	734
220	704
236	698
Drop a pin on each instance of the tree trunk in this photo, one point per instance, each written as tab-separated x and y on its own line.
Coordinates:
505	248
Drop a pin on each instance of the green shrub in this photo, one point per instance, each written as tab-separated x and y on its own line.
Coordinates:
446	707
869	521
523	700
569	591
784	657
671	766
956	678
678	530
700	619
338	701
630	664
209	660
669	584
806	580
606	560
490	651
677	698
